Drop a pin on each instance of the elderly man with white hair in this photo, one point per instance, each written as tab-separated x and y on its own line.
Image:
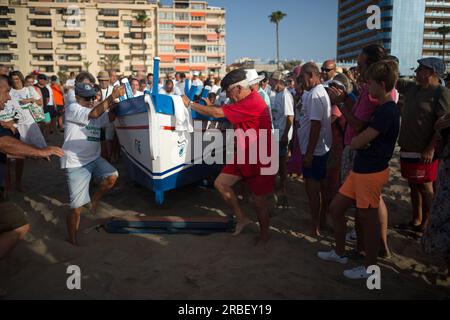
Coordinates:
251	119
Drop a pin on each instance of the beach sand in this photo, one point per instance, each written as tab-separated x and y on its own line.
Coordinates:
217	266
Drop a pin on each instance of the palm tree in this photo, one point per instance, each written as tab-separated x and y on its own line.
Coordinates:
62	76
111	62
86	65
443	31
276	18
142	19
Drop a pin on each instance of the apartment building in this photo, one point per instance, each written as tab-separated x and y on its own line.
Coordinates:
408	29
53	36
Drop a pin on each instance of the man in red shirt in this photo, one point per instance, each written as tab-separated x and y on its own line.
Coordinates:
253	131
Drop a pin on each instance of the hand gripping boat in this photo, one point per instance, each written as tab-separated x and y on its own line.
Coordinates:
158	157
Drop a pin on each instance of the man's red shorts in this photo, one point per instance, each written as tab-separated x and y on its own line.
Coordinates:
418	172
258	184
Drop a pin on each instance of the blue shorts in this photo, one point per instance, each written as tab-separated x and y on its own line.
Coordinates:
318	171
78	180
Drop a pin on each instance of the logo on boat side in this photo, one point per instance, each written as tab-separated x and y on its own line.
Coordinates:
182	148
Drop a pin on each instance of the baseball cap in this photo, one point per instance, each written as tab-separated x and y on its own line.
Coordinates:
84	90
278	75
233	77
42	76
435	64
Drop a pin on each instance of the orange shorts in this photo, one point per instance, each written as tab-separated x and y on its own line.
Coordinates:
365	189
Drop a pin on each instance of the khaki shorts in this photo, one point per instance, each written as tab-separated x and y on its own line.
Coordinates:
11	217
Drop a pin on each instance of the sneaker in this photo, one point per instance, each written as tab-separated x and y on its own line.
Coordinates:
351	236
332	256
357	273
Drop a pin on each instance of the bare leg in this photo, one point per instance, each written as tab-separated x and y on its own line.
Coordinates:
427	192
313	191
262	211
106	185
370	222
73	225
416	202
20	164
9	240
338	207
224	184
383	216
54	126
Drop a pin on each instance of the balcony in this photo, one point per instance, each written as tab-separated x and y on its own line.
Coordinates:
138	29
108	40
67	17
75	40
42	51
107	18
41	63
69	63
139	51
39	28
106	29
134	41
32	16
108	51
436	15
67	51
437	4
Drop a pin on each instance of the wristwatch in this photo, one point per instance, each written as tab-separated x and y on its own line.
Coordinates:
191	103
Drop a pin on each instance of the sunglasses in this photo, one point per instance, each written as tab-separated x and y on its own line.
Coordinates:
327	70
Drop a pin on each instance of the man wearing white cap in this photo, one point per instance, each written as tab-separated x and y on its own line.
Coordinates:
248	113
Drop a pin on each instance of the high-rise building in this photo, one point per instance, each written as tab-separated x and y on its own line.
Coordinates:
74	35
409	29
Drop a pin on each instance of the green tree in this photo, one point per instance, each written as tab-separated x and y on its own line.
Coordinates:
443	31
111	62
276	18
142	19
289	65
86	65
62	76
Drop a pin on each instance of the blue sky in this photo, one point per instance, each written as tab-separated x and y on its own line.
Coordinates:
308	32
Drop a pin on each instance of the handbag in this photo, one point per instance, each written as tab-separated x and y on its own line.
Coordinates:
36	111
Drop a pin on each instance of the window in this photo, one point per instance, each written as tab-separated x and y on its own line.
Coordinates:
165	15
166	48
198	6
109	12
165	26
198	59
198	18
166	37
166	70
181	16
41	22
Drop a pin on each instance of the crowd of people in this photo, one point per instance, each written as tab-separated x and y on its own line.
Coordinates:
335	128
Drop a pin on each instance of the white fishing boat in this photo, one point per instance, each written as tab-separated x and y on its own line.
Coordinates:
158	156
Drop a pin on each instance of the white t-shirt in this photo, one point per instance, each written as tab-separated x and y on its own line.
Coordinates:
25	116
138	94
315	106
69	98
181	86
51	101
70	83
282	108
107	92
81	136
215	89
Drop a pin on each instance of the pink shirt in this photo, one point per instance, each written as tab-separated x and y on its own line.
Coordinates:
363	110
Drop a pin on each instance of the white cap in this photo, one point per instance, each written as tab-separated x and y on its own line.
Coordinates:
253	77
196	73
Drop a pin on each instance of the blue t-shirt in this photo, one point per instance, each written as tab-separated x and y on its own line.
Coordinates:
385	120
